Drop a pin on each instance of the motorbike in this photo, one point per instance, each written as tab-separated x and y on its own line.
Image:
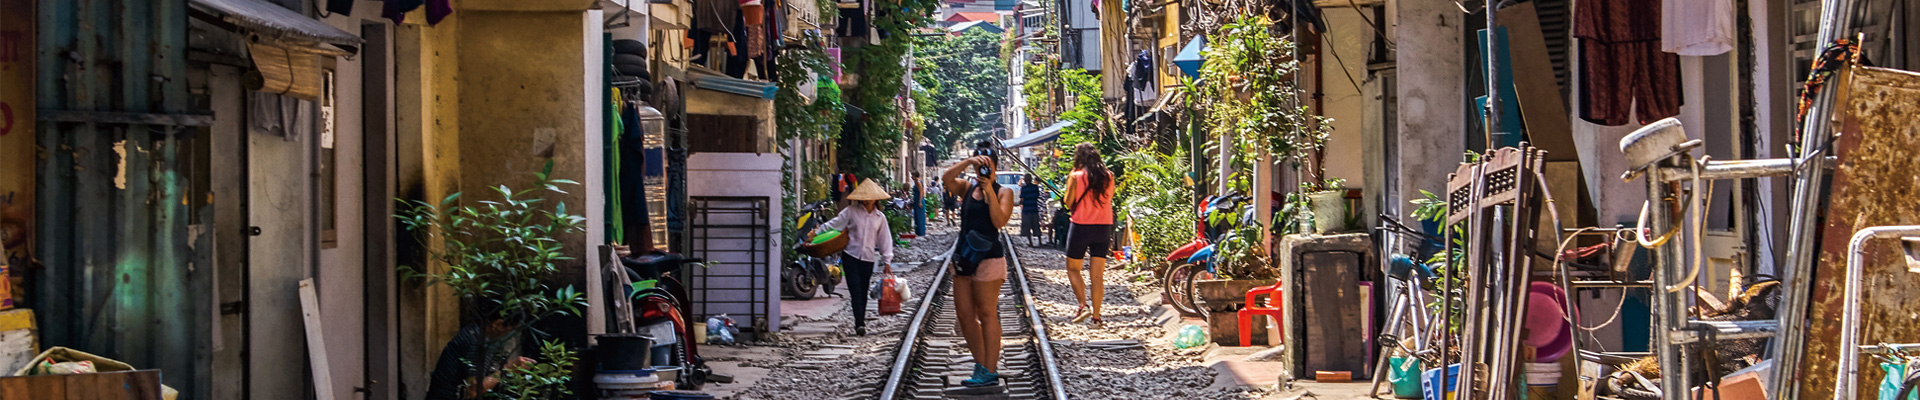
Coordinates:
660	311
1196	261
818	266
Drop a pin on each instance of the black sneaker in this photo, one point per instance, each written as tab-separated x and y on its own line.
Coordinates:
859	331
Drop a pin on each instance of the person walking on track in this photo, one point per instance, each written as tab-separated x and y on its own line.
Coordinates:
1090	196
869	243
1030	210
980	260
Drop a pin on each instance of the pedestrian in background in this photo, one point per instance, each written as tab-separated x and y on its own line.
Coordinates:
1030	210
980	260
869	243
1090	196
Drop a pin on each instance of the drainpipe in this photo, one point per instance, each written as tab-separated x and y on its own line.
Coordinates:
1850	319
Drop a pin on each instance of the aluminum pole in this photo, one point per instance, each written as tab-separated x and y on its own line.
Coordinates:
1836	18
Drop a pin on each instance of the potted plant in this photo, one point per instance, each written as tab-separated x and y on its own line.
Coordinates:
498	257
1328	205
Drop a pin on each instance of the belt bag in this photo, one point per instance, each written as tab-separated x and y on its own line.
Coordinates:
973	249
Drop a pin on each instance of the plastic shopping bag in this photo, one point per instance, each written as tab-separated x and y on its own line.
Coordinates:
890	296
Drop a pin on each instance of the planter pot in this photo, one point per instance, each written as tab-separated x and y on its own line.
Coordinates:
1223	298
1329	211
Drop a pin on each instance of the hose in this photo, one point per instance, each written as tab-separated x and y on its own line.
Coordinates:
1699	228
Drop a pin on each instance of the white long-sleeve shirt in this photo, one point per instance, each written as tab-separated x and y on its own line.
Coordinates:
869	238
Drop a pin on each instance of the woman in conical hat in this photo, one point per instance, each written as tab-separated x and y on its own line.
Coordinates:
869	244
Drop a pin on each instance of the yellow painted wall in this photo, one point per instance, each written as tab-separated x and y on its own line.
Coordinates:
426	126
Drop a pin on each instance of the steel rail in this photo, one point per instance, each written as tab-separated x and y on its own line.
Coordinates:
907	366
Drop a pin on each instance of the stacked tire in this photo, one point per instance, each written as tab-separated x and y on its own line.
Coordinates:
629	61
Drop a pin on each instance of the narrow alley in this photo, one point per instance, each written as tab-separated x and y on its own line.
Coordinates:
959	199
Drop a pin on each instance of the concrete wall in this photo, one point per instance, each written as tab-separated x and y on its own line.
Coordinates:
427	132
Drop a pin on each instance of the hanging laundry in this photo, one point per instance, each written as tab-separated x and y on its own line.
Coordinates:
757	41
438	10
1621	66
342	7
397	10
1697	27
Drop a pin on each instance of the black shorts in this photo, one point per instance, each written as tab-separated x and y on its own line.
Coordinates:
1083	239
1030	224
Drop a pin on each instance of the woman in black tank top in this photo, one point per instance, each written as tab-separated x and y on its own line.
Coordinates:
985	208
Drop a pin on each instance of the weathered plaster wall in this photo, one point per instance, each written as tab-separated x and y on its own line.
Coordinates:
1428	37
1351	38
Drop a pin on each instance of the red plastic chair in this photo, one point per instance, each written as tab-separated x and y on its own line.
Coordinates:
1254	308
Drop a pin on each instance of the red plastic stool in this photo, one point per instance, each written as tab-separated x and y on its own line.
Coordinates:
1254	308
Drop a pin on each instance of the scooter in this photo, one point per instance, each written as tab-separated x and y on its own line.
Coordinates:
661	312
1218	216
818	266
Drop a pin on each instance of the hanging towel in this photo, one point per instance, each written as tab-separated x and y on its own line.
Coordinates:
1697	27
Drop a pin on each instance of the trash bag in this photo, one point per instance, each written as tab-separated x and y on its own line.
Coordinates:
1190	336
1404	374
1896	379
721	330
890	296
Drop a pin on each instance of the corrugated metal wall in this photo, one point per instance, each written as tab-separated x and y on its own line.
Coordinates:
113	225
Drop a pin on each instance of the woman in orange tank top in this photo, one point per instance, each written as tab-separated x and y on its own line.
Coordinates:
1090	196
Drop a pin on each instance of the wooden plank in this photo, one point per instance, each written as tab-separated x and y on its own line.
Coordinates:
1533	82
1872	186
316	344
1333	332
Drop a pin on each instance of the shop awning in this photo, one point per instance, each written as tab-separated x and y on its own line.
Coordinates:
266	19
1043	136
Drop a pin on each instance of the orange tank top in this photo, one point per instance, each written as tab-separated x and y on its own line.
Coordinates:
1094	209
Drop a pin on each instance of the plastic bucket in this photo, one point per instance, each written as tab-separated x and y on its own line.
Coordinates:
1438	387
1404	374
623	351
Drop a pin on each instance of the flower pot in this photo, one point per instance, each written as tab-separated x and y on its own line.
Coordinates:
1329	211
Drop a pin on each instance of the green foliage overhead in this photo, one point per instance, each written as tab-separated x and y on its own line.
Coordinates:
1247	92
801	63
882	78
966	81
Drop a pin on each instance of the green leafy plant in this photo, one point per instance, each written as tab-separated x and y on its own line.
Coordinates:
1159	201
548	379
499	254
883	79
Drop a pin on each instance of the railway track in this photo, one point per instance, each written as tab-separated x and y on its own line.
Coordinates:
933	357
